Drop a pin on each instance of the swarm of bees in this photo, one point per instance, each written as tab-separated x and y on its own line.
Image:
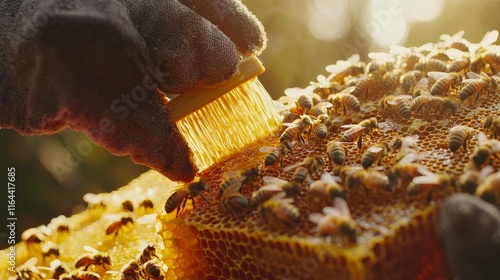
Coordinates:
365	104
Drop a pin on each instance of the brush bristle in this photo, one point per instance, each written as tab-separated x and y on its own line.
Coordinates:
241	116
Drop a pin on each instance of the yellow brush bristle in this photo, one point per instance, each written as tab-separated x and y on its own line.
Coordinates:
218	121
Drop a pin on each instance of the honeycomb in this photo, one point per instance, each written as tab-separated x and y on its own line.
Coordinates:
396	232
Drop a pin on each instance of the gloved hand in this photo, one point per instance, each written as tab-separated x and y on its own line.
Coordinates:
469	229
98	66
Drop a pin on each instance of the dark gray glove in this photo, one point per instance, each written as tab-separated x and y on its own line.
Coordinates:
469	229
97	66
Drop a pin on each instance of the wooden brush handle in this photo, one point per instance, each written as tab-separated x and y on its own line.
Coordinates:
189	102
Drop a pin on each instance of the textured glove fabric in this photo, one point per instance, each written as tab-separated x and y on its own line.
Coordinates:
469	229
97	65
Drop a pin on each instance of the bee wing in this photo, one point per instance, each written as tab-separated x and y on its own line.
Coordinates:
387	57
31	262
426	172
55	263
267	149
333	68
485	172
408	158
281	196
454	54
323	104
347	90
342	206
329	178
270	188
90	249
354	130
375	149
289	124
438	75
315	217
295	92
292	166
422	83
92	198
426	47
426	180
271	180
473	75
495	146
332	211
448	38
232	173
280	106
481	138
396	49
403	96
489	38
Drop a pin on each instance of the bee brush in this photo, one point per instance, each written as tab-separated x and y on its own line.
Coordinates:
219	120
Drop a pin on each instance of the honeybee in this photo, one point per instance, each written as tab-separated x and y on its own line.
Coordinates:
402	171
454	41
189	191
233	202
297	129
409	80
489	189
303	99
277	154
438	104
336	152
355	132
398	105
327	188
49	249
459	65
459	137
29	270
429	182
231	199
475	85
265	193
94	201
58	268
409	57
381	63
320	108
290	188
116	226
488	58
33	237
94	258
492	124
342	69
367	179
444	81
131	271
153	270
363	87
345	100
148	253
279	209
484	150
248	177
127	205
309	166
320	129
432	64
80	275
375	154
407	149
335	220
471	178
146	204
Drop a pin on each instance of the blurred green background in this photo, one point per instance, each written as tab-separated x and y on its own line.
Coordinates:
54	172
